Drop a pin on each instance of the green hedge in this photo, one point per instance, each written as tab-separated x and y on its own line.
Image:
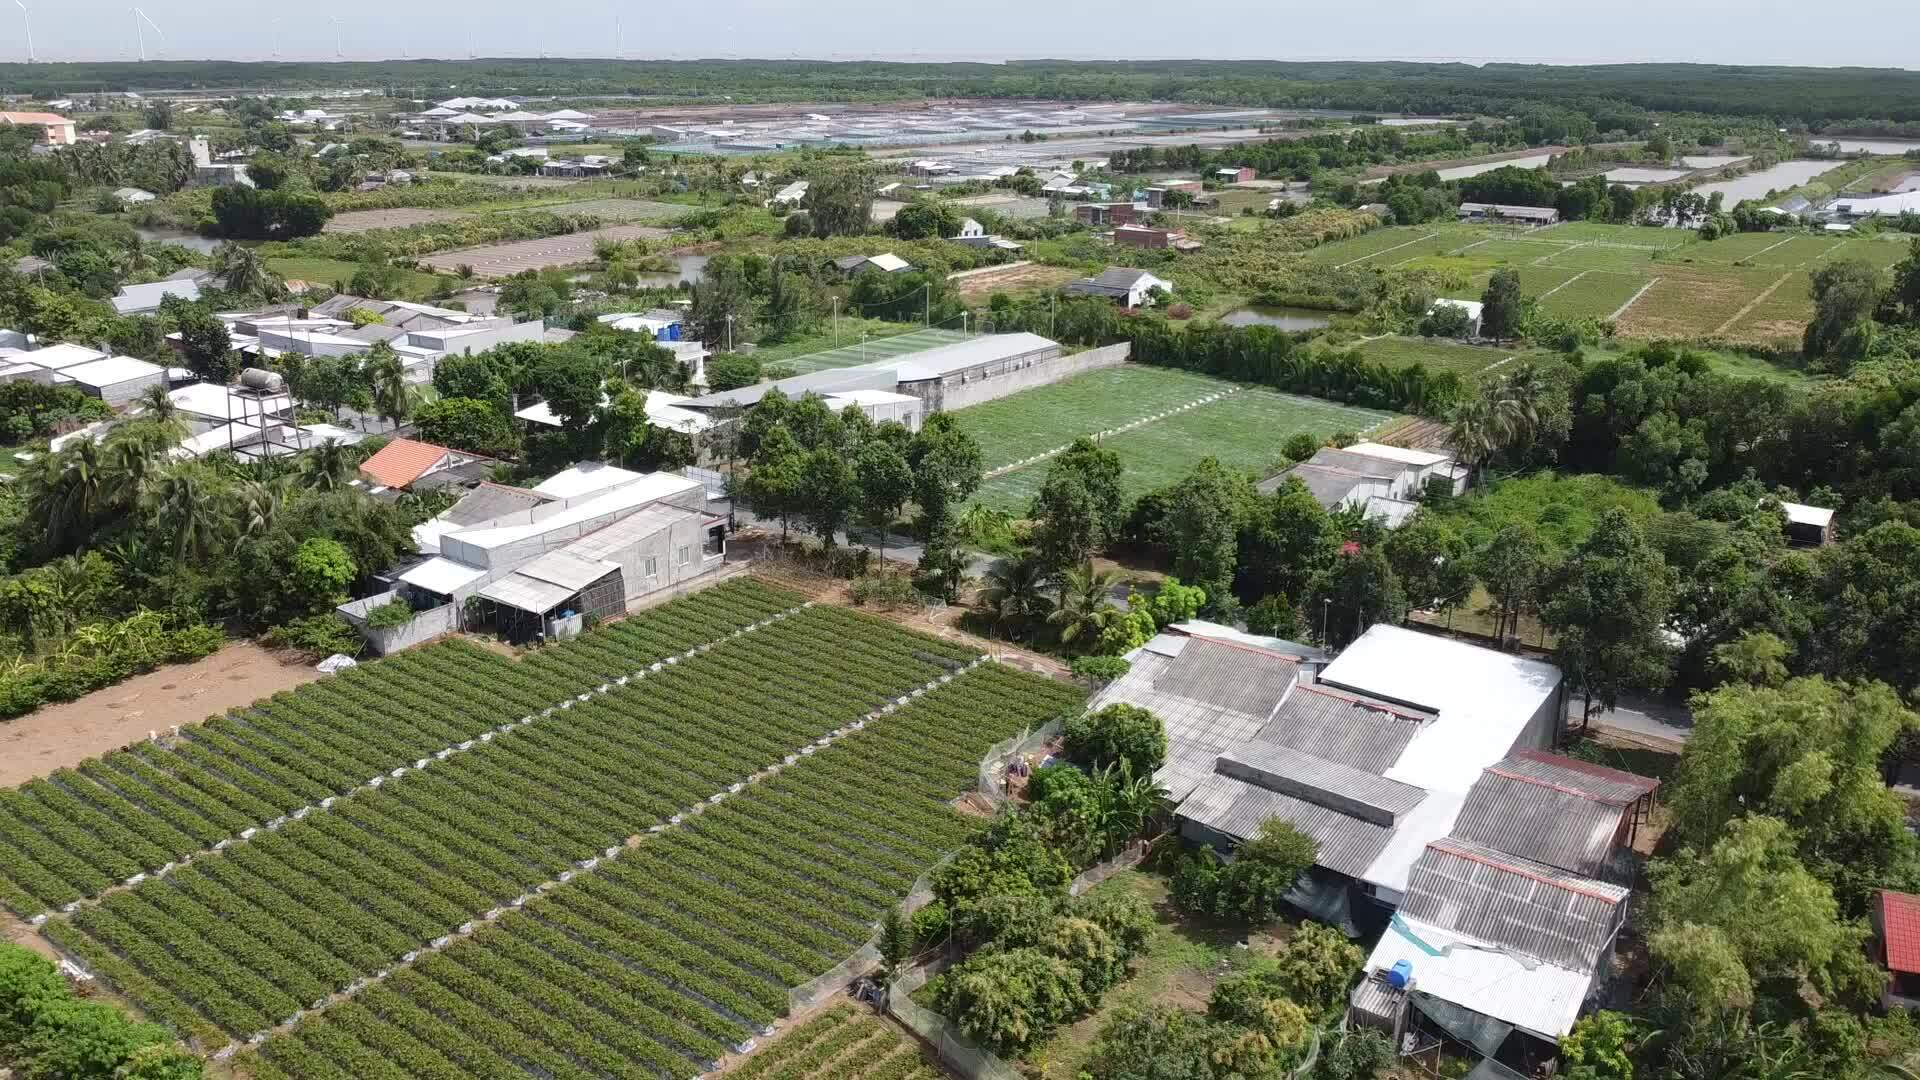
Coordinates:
46	1031
101	655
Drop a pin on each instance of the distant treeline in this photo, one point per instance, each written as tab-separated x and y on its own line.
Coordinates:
1815	96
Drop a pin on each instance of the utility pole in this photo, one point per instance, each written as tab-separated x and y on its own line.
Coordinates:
729	331
927	319
836	318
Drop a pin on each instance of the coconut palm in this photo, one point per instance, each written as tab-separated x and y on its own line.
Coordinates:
1016	590
328	467
392	397
1477	431
241	270
64	495
1084	594
255	506
130	462
157	406
179	501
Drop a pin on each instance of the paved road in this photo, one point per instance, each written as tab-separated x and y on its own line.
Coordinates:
1647	717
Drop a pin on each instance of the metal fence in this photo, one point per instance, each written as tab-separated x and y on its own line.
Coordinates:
962	1057
992	781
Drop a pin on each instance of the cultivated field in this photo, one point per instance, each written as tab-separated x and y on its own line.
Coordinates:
505	260
618	209
1655	283
843	1043
1469	361
358	221
875	349
1030	277
386	874
1243	430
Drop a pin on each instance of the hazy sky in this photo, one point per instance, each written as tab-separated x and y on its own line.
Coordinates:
1872	33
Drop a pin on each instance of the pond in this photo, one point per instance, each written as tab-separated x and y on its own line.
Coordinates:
1755	185
202	244
689	268
1283	318
1893	147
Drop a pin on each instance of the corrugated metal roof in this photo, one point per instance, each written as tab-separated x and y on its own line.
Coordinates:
527	594
1596	782
1468	972
1503	899
1540	822
489	501
567	569
1343	728
1210	696
1347	845
1364	795
603	543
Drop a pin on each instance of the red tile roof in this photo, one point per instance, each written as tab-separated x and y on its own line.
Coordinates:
401	462
1900	926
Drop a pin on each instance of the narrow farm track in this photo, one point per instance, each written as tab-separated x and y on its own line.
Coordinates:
1631	300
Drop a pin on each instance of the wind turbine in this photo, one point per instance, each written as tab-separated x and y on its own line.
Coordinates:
139	35
28	17
273	27
337	54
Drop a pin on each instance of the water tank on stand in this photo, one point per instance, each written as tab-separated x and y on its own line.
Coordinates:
1400	974
260	380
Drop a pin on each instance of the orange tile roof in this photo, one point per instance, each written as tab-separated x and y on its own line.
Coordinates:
32	118
1900	924
401	462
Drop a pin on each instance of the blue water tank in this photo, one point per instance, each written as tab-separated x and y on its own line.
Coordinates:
1400	974
673	332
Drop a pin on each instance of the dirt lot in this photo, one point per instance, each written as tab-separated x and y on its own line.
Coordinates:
506	260
1013	279
359	221
107	719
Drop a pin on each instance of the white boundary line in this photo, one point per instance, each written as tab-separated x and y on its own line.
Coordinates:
1383	251
1631	300
1128	426
1557	288
1751	304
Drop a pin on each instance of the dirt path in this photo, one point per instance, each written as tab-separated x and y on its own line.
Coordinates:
112	717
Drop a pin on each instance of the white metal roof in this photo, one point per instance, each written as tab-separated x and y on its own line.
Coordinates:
216	402
147	297
1478	975
934	363
1473	308
1484	699
890	262
526	594
585	478
1421	458
442	576
64	355
567	570
650	488
1432	820
111	371
868	397
1801	514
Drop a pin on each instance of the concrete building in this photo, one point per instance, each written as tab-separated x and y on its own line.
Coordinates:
55	130
592	540
1385	481
145	299
1848	209
974	234
1150	238
420	334
410	463
1239	174
117	380
1126	287
1518	215
1157	193
1808	526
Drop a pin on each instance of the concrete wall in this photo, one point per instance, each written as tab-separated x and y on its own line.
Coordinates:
426	625
946	395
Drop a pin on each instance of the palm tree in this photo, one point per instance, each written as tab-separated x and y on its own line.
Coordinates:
1477	431
1016	590
255	507
179	501
241	270
392	397
158	407
64	493
1132	802
132	459
1084	594
328	467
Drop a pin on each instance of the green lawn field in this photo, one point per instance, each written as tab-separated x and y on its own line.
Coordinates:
871	350
1243	430
1042	419
1468	360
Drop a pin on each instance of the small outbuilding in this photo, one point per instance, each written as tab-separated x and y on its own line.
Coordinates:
1808	526
1127	287
1896	943
117	380
1474	310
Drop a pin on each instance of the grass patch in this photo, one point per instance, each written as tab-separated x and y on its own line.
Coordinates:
1595	295
1244	431
1435	353
886	340
415	285
1177	966
1024	424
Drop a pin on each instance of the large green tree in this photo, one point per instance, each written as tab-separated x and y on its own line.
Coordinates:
946	468
1607	604
1845	294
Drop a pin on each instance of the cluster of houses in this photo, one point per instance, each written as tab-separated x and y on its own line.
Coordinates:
1494	870
459	114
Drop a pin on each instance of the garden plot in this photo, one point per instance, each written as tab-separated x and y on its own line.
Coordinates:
1380	243
681	949
1593	294
1612	258
843	1042
1759	249
875	349
1469	361
1242	430
1882	252
1646	236
547	252
1781	317
619	209
359	221
1019	426
1691	301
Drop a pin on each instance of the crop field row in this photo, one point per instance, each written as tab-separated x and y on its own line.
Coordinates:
658	962
841	1042
1470	361
1021	425
1243	431
81	831
239	941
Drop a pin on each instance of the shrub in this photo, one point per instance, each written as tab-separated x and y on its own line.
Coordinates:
387	616
884	590
1101	669
1007	1001
1115	733
317	636
1300	446
1317	966
47	1032
931	924
1251	887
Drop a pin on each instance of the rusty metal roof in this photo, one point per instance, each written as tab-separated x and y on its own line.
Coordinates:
1532	908
1540	822
1344	728
1584	778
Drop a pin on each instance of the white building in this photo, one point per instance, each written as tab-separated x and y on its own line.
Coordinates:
1474	310
1385	481
116	380
1126	287
145	299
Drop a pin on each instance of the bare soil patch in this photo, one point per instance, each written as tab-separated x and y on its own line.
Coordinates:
1031	276
116	716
